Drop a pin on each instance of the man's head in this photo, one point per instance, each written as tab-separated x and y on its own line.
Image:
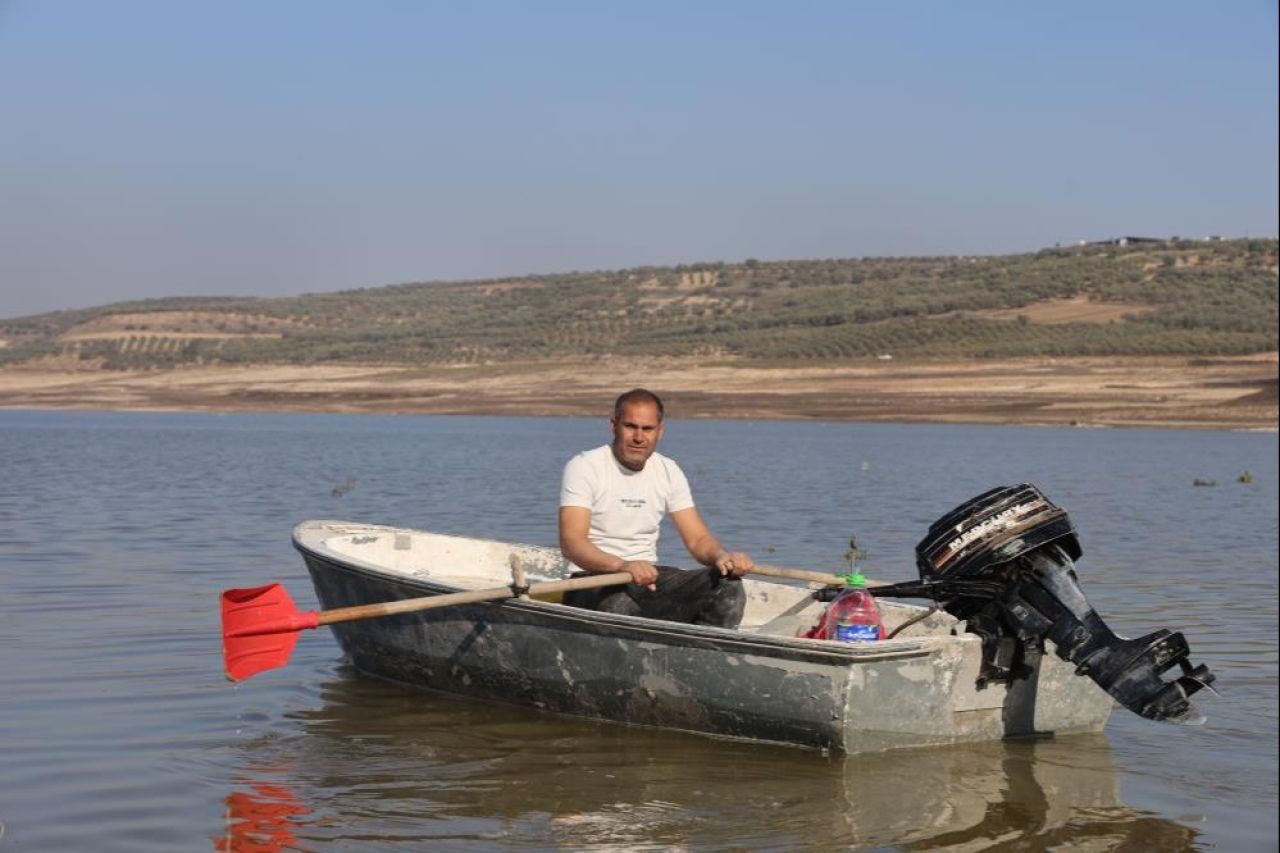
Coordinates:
637	427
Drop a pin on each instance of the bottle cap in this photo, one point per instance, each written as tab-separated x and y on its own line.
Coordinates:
854	579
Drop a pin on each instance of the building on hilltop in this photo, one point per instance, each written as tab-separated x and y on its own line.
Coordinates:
1126	241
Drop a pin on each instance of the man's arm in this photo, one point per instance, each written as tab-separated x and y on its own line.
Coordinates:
705	548
575	523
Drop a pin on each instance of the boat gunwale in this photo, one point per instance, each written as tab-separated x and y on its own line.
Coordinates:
308	540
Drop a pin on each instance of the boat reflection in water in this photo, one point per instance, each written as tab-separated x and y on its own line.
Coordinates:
386	767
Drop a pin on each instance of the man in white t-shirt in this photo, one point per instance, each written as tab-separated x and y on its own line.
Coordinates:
612	500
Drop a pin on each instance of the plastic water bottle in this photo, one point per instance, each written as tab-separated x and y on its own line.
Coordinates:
854	616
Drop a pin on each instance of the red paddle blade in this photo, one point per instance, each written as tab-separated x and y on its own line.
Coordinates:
259	629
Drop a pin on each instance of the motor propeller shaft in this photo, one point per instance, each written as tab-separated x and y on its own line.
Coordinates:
1130	670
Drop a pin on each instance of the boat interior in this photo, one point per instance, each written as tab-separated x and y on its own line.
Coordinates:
775	607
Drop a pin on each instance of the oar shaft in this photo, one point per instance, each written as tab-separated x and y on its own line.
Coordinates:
806	575
799	575
413	605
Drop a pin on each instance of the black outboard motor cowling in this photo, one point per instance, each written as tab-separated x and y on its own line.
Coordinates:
1004	563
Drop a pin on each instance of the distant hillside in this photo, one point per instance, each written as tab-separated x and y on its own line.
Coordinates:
1178	297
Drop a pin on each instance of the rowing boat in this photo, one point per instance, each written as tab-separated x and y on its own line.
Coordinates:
762	681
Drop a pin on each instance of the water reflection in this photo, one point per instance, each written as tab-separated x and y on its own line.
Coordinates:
380	767
260	819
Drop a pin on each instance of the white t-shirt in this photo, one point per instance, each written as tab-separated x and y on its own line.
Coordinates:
626	506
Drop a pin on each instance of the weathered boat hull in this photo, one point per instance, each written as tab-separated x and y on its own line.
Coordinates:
727	683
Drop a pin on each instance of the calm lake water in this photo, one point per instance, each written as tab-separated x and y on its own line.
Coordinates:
119	732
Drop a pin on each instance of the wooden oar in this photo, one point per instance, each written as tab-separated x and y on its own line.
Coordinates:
260	626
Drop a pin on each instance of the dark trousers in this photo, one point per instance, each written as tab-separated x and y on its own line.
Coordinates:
698	596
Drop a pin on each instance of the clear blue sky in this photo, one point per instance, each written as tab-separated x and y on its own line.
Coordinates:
273	148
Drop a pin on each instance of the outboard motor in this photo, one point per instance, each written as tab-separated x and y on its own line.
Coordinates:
1004	563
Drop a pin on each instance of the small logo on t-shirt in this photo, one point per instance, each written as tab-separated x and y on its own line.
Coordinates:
633	503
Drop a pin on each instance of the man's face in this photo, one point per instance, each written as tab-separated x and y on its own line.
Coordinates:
636	434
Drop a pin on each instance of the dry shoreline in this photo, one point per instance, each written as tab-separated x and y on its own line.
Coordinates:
1200	393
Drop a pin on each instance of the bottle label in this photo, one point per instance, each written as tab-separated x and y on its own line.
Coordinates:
857	633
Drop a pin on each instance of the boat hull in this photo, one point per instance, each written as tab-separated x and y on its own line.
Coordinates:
844	697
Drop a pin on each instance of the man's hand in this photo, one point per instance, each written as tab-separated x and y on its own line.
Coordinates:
643	573
734	563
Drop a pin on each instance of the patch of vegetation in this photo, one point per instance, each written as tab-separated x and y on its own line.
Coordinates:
1199	298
